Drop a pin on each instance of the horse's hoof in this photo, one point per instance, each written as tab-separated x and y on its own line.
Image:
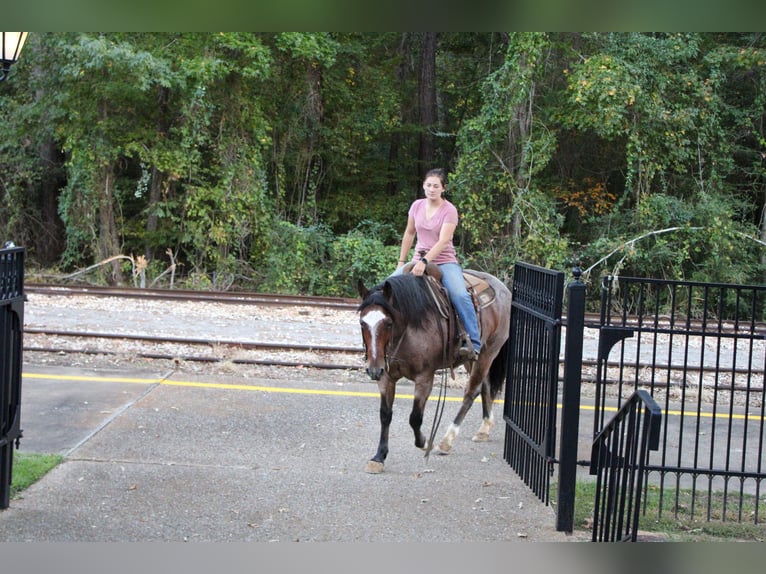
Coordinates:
374	467
480	437
445	447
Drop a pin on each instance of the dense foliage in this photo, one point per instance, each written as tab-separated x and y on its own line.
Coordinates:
287	161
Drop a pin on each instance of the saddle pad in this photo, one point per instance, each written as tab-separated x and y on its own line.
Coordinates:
481	290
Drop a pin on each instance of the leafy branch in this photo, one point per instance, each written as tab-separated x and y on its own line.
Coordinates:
633	241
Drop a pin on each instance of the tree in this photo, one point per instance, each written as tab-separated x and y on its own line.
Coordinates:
104	86
210	150
501	151
661	98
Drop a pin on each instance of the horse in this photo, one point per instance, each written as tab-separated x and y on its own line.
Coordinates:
405	334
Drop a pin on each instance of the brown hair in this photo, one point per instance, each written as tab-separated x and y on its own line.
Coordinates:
437	172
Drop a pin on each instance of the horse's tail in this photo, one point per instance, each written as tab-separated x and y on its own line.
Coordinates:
499	369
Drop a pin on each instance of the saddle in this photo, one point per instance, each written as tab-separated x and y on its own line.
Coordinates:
482	295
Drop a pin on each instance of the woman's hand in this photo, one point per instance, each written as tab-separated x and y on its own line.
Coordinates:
419	268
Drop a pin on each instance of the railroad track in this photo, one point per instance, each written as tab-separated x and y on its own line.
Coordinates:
202	349
193	349
190	295
92	343
88	343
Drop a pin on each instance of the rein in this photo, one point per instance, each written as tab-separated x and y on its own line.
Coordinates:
441	399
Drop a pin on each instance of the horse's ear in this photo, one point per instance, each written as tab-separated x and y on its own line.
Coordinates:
387	291
362	289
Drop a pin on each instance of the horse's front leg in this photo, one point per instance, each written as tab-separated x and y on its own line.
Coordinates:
423	386
387	392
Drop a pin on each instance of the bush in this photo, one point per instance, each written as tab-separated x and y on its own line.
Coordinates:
312	261
361	254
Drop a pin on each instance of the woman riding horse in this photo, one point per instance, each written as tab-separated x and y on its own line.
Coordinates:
404	336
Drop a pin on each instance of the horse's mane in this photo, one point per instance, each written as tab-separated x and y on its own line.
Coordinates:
410	297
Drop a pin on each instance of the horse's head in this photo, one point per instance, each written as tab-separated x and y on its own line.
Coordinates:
376	318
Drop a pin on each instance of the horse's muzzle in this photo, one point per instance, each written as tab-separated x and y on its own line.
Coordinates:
375	373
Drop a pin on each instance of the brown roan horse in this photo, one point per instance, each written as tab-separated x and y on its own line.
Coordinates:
406	335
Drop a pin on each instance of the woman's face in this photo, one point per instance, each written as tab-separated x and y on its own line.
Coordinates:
433	187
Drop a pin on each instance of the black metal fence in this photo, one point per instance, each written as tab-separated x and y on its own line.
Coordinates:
700	351
531	386
11	331
618	459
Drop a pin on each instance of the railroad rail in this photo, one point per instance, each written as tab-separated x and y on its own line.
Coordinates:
198	358
249	298
234	297
592	320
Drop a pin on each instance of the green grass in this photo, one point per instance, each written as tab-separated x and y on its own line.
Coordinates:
675	522
28	468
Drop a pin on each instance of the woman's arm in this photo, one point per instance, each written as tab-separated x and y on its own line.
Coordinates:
407	239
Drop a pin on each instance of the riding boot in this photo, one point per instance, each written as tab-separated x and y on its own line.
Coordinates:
465	352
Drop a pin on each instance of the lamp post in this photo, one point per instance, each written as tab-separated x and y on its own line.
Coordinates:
11	44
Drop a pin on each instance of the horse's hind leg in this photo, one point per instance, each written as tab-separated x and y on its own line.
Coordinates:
487	419
475	385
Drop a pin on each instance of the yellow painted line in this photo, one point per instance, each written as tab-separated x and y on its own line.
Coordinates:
323	392
287	390
227	386
94	379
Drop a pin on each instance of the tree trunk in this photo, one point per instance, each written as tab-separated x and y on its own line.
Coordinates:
158	178
309	169
427	102
52	236
392	184
108	241
152	221
51	240
518	135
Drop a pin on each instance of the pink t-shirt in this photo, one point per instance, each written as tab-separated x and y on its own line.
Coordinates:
427	230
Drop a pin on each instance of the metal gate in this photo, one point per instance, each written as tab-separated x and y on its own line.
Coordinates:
699	350
530	409
691	355
11	330
532	383
531	386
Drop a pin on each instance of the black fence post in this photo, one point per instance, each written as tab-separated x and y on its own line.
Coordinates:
570	410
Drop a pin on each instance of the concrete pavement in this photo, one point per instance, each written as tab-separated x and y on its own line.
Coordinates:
173	456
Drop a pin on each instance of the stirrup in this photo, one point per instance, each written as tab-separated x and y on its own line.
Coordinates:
467	354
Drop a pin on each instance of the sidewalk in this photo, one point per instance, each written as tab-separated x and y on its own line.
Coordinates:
153	456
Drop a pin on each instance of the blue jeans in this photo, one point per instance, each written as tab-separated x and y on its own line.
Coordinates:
452	279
